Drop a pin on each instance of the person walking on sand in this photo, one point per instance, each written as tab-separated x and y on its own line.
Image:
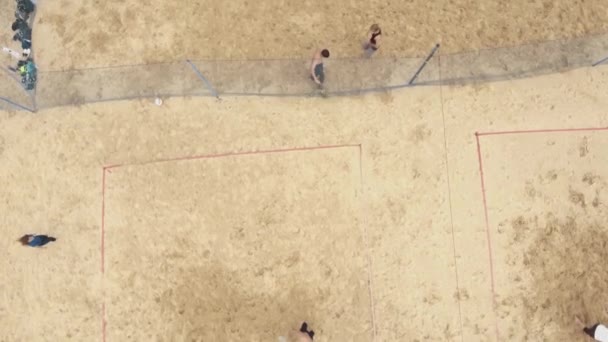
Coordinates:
305	334
316	66
35	240
599	332
372	43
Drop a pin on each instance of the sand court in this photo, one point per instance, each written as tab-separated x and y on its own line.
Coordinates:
183	241
544	247
237	219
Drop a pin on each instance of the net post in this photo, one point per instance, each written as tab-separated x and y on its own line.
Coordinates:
426	60
599	62
203	78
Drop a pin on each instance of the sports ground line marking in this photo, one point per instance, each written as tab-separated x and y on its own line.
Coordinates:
484	198
550	130
365	236
107	169
103	321
447	171
489	240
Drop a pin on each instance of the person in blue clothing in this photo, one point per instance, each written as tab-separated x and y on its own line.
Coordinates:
35	240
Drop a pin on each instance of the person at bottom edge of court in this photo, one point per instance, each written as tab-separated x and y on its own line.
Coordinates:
598	332
306	335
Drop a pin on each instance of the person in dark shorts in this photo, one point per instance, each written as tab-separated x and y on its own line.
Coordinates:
23	33
35	240
316	66
599	332
19	25
372	44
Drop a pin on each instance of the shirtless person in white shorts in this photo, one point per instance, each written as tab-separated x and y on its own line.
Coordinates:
599	332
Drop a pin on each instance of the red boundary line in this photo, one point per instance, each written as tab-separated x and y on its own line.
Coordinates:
484	198
102	243
107	168
487	221
231	154
103	217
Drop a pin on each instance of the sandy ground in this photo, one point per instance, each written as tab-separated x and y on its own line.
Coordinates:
550	243
268	253
102	33
386	244
544	197
246	247
6	19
